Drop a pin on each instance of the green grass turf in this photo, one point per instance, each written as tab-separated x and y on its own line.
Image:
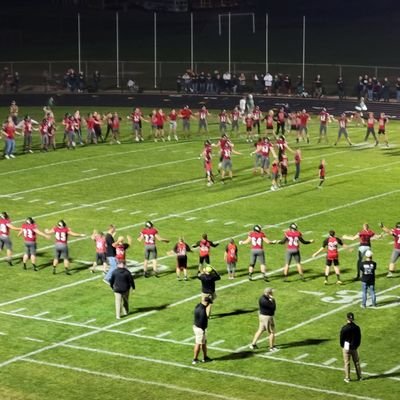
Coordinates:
59	336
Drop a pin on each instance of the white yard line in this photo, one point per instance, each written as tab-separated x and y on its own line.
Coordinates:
33	339
330	361
83	159
185	342
91	178
208	371
391	371
169	386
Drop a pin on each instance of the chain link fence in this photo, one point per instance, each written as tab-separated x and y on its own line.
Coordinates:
42	76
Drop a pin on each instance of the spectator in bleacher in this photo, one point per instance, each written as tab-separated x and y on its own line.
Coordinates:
287	84
318	89
340	87
227	81
376	89
257	84
275	84
242	83
187	82
268	83
217	82
370	89
81	82
202	83
234	83
360	88
299	85
385	89
96	80
209	84
195	83
398	89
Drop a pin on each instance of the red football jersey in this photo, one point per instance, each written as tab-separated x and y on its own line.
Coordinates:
396	234
61	234
231	253
293	239
257	240
4	229
149	235
28	231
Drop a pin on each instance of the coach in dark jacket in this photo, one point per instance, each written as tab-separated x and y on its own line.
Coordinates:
350	340
121	282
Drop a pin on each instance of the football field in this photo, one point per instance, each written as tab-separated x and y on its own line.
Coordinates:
59	337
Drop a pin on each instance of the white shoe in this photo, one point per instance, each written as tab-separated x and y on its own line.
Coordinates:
12	156
30	151
7	156
273	188
137	139
176	138
118	142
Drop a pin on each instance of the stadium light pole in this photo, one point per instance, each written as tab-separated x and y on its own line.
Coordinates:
191	41
266	44
155	50
229	42
117	45
229	30
79	43
304	49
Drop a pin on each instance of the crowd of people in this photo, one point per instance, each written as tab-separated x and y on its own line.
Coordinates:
260	126
371	88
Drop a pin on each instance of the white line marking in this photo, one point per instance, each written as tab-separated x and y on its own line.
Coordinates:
3	334
211	371
56	289
64	318
363	365
209	221
216	343
305	355
101	208
135	212
17	198
391	371
118	210
90	170
248	225
18	310
207	394
89	321
330	361
84	159
153	214
92	178
42	313
51	202
67	204
189	339
34	201
313	293
186	342
230	223
138	330
190	218
33	339
161	335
